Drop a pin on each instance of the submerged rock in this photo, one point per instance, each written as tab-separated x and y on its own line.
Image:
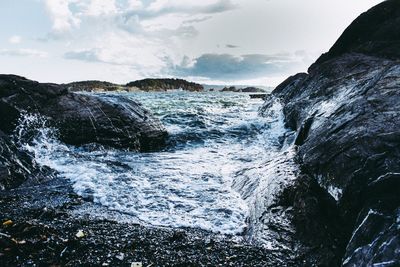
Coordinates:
80	118
347	116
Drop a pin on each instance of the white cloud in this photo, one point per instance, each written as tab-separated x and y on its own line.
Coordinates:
134	4
159	7
229	67
135	34
61	15
23	52
15	39
84	55
100	7
116	49
69	14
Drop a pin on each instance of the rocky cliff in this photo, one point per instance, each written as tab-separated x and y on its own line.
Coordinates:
347	116
78	118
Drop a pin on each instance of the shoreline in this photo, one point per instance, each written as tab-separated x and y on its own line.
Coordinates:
45	225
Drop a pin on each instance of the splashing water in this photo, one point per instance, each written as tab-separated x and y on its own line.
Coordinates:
207	177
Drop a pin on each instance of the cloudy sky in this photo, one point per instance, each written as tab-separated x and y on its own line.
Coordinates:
256	42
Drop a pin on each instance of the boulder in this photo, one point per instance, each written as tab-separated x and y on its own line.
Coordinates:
81	118
78	119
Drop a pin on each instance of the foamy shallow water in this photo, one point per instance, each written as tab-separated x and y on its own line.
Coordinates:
215	138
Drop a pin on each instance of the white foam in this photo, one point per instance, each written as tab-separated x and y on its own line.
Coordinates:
335	192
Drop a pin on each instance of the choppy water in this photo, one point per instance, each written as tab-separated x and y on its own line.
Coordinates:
218	152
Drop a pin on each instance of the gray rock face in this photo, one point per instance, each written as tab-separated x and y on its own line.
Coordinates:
347	116
79	119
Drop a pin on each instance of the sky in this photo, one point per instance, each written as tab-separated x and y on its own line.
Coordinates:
247	42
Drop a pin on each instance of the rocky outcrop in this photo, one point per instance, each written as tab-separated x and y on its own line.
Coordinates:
166	84
347	116
78	118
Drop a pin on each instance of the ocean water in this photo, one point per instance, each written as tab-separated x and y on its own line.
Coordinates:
209	176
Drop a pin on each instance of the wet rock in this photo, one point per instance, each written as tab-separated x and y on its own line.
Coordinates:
347	118
17	167
80	118
317	222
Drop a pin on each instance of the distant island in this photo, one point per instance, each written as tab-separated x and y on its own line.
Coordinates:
156	85
147	85
94	86
166	84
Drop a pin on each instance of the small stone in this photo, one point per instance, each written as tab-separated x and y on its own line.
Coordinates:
120	256
80	234
8	223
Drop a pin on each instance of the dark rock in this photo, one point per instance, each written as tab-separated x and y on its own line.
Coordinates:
16	166
346	112
252	90
376	32
254	96
79	118
316	212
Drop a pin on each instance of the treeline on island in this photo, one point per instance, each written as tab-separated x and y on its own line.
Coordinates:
154	85
166	84
139	85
